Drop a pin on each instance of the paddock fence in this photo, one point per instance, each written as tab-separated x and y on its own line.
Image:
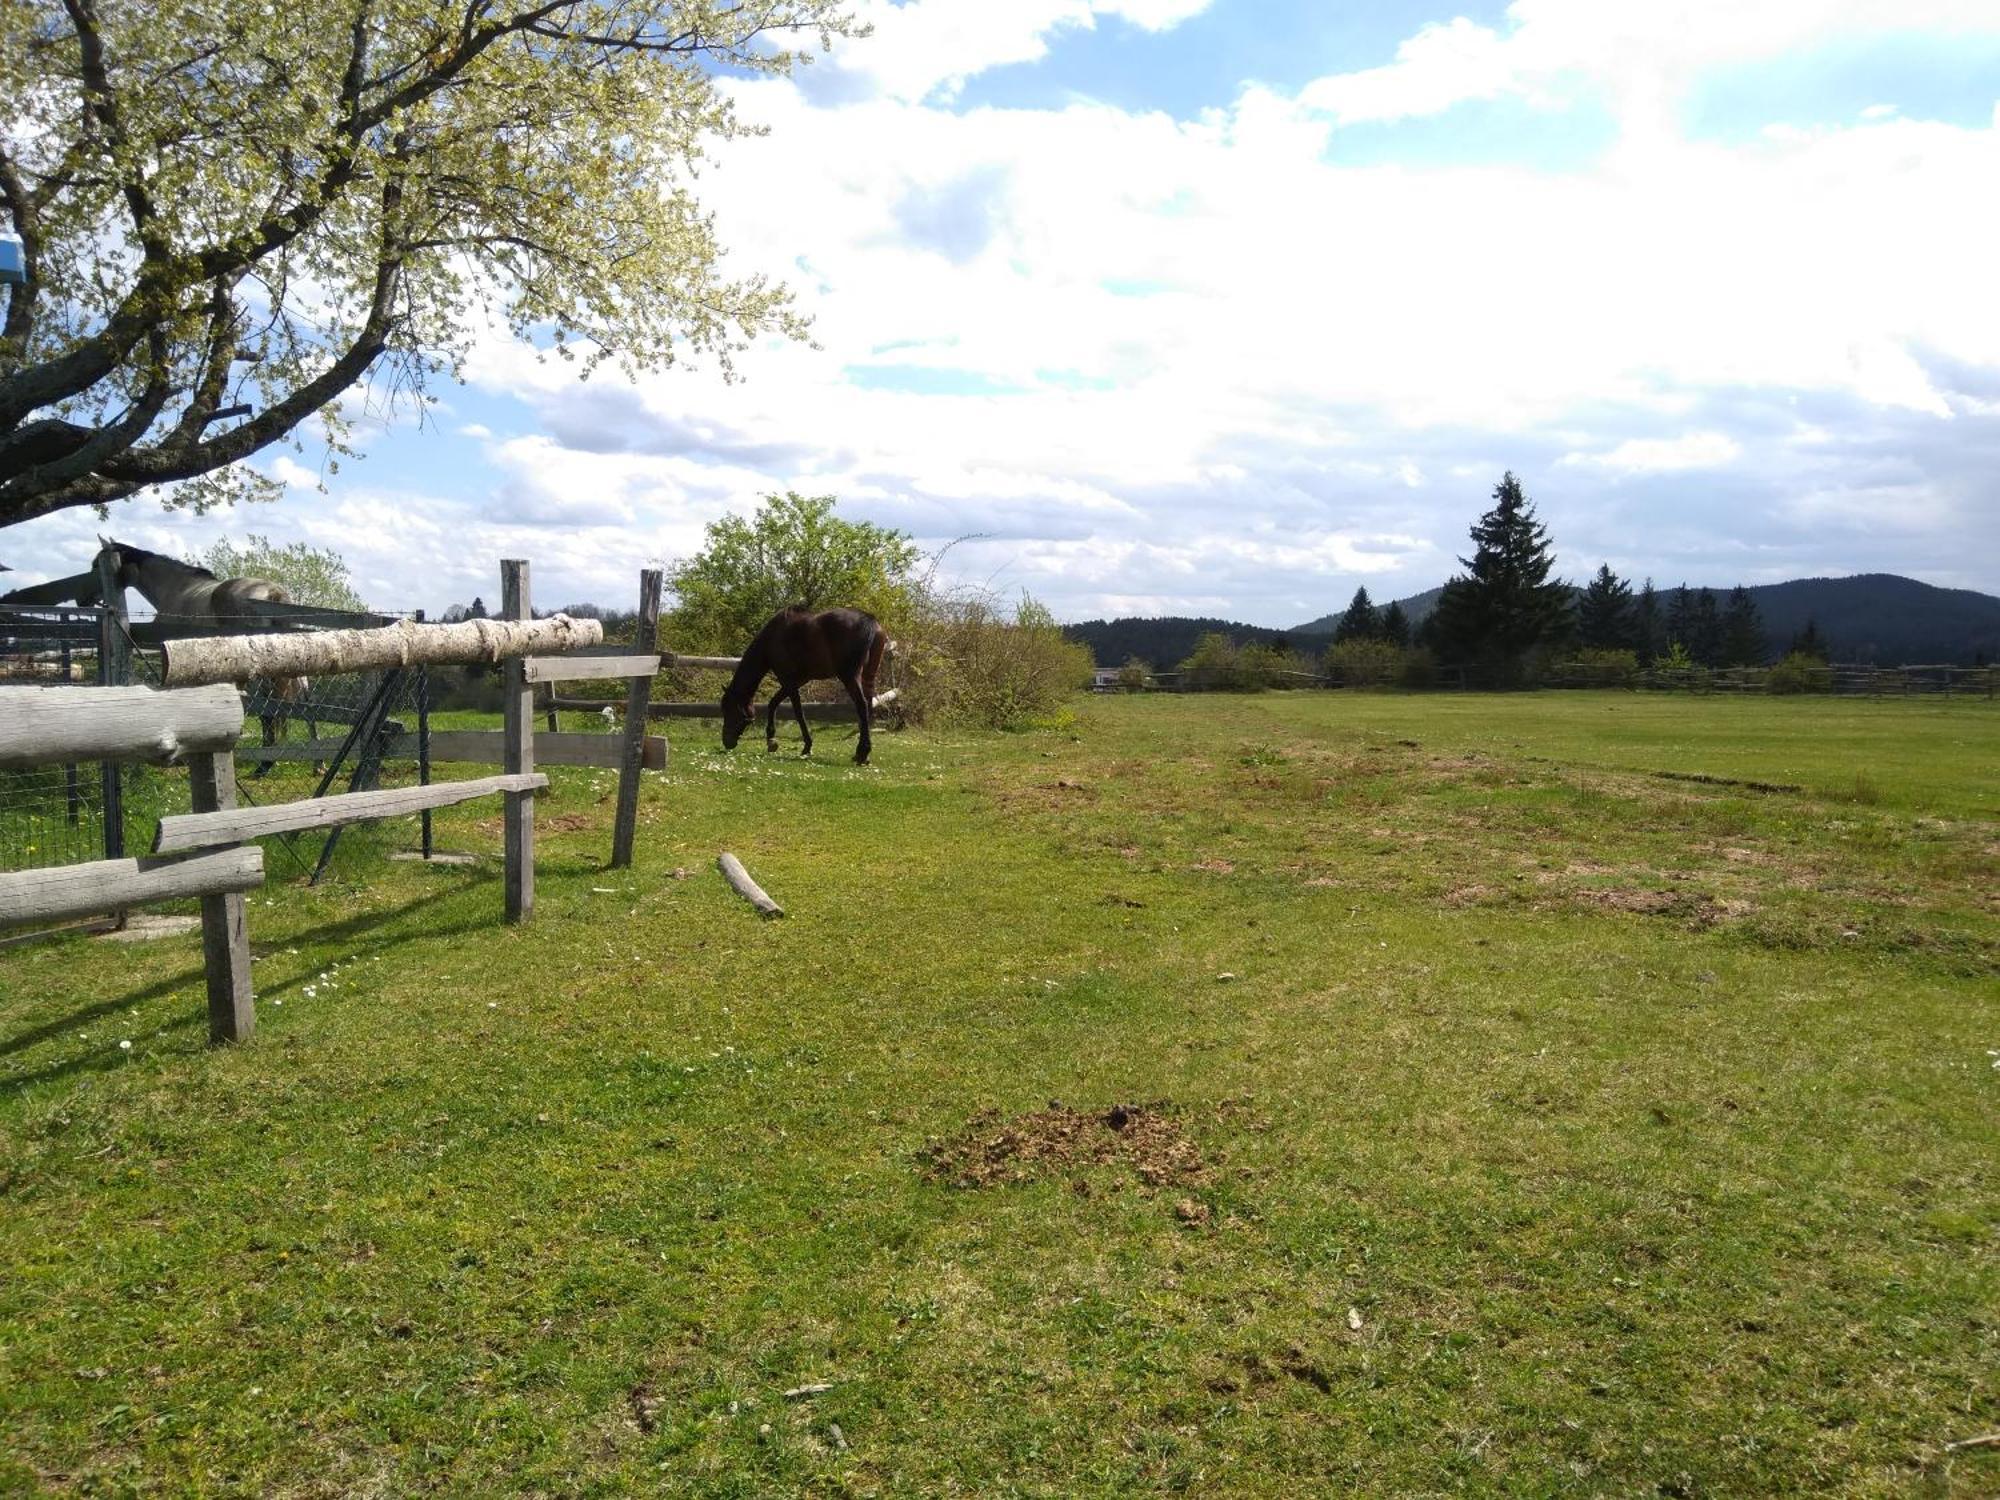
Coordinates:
194	721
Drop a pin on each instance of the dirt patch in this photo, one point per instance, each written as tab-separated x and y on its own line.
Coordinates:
1693	907
1468	895
1215	866
1704	780
1061	1142
565	823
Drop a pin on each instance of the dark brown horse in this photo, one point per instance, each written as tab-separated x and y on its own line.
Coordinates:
797	646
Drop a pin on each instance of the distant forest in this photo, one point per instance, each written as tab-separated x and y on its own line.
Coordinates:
1878	618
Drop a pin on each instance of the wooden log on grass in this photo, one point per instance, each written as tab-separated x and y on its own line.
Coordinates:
238	658
738	877
49	726
203	830
103	885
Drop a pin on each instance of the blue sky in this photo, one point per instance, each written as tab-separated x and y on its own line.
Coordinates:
1230	306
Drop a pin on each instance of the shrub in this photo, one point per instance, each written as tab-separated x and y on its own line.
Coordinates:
1799	672
1364	663
1605	668
1219	665
1135	676
1419	669
963	663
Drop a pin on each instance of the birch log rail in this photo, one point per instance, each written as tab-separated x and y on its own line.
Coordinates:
238	658
50	725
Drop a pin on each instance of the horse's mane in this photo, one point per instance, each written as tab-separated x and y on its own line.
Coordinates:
186	567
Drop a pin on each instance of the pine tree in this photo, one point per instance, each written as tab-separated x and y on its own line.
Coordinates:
1395	625
1359	622
1742	631
1504	604
1646	625
1809	642
1680	620
1705	631
1604	613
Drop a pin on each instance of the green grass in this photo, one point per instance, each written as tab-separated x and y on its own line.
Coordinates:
1568	1129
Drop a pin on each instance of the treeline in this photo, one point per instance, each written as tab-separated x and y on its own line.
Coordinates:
1504	621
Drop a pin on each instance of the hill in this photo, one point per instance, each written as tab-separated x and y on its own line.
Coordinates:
1168	640
1869	617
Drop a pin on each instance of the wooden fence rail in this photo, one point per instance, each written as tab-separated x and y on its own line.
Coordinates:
45	725
203	830
109	885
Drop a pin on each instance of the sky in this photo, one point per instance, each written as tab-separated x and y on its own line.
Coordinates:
1229	307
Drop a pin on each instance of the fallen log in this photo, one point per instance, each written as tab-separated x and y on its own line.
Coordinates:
738	877
238	658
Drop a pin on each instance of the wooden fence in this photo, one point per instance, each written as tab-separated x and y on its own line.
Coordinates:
205	853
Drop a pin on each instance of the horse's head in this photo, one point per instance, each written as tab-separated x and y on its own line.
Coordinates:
736	718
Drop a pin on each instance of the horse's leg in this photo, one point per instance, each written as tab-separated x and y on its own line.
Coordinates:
771	721
805	730
852	682
270	723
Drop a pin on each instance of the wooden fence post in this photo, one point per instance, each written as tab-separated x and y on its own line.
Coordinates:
225	934
114	669
518	752
645	641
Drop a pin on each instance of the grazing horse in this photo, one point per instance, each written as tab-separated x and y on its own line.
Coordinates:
192	597
800	645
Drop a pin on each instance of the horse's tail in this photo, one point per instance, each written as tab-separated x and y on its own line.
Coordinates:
878	646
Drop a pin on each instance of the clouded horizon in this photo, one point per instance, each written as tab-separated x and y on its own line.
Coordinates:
1227	307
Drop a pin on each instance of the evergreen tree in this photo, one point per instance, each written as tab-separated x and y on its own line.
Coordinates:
1680	620
1742	631
1604	613
1646	625
1809	642
1504	604
1395	626
1359	622
1705	631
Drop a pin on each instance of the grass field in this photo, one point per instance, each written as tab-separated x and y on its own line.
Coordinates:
1449	1102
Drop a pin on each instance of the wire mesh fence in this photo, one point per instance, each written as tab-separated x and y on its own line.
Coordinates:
51	815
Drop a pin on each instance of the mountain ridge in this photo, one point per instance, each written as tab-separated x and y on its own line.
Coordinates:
1866	617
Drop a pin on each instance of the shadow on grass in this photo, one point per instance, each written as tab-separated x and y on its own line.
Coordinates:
338	933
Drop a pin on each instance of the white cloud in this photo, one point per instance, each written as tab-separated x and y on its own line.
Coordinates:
1223	368
925	47
1695	450
1440	66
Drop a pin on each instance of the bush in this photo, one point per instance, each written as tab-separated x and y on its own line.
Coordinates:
1799	672
1364	663
1419	669
962	663
1604	668
1135	676
1219	665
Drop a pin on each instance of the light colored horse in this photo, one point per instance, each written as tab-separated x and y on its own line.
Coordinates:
194	599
